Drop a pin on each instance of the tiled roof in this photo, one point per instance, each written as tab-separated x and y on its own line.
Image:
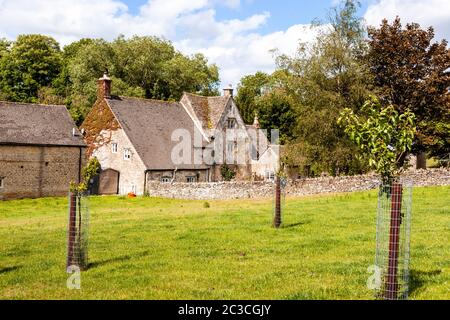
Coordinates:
208	109
149	125
35	124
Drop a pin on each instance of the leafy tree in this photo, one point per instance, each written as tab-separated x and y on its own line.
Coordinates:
275	111
384	135
409	72
31	62
4	46
249	88
324	78
147	67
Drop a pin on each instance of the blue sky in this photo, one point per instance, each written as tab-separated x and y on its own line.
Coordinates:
283	13
237	35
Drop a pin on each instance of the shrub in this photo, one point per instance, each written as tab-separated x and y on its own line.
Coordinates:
227	173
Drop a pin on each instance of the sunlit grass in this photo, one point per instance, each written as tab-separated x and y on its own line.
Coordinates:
149	248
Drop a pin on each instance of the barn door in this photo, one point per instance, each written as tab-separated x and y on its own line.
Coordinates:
109	182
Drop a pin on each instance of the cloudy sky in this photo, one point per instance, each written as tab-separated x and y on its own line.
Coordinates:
236	34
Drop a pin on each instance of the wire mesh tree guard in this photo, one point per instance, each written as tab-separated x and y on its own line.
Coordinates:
78	227
393	240
279	200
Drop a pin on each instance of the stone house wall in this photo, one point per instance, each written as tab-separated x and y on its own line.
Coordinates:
132	171
268	162
243	170
38	171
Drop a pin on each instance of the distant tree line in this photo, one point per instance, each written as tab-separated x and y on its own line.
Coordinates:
34	68
347	64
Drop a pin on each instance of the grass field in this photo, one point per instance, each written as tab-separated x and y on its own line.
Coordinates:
149	248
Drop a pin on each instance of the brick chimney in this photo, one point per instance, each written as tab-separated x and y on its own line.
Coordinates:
228	91
104	87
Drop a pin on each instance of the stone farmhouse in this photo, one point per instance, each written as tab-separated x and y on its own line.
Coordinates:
41	151
140	141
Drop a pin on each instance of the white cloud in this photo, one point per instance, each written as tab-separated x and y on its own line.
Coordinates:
245	54
427	13
235	45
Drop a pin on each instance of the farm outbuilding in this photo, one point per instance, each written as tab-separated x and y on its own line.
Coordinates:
41	151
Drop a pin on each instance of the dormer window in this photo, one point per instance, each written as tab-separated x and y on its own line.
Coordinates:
231	123
127	154
114	147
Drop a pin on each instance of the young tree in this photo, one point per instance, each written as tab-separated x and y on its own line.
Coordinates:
411	73
383	134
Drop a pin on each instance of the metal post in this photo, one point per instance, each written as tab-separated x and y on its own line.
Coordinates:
394	239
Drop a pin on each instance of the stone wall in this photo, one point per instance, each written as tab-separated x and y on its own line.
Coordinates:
247	189
33	171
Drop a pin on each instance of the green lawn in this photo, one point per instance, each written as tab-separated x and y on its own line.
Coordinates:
148	248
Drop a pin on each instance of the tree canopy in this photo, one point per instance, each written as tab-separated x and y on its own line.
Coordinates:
34	69
318	82
26	65
411	73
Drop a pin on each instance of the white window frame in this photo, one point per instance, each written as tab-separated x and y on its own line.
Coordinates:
2	182
191	179
127	154
270	175
114	147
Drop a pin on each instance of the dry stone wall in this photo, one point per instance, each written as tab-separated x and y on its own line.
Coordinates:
248	190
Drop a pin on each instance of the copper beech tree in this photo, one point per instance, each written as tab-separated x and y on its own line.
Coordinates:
411	72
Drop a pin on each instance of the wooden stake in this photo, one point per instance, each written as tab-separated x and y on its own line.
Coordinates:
277	217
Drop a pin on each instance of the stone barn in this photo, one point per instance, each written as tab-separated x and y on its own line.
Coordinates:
41	151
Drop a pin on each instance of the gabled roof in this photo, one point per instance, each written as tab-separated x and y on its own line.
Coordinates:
149	125
36	124
207	109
